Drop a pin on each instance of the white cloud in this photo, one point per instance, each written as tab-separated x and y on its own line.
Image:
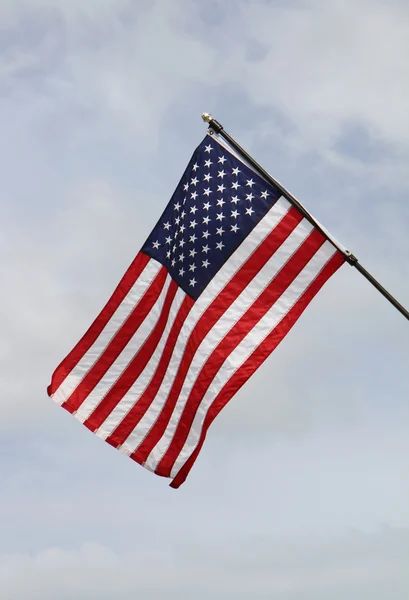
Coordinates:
70	8
323	66
55	278
332	63
356	566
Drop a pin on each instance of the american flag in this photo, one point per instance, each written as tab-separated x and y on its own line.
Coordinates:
221	279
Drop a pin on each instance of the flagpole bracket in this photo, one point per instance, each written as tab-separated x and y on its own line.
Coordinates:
350	258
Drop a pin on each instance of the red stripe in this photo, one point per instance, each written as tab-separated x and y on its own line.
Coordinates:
257	310
131	420
257	358
134	368
219	305
117	344
92	334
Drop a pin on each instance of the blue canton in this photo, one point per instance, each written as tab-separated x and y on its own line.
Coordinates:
217	203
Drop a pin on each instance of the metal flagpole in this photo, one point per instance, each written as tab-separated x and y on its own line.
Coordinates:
349	257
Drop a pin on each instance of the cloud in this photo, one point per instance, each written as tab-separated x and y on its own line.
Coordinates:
321	66
52	269
333	63
359	565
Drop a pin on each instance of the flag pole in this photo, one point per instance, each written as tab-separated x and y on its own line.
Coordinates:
216	127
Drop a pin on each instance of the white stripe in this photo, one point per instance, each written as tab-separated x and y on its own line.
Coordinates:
142	382
253	339
120	364
239	307
121	314
220	281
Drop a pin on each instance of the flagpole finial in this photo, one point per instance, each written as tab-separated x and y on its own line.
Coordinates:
214	126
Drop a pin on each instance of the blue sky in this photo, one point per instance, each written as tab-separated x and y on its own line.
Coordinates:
301	490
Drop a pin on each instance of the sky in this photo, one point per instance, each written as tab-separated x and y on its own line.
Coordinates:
301	489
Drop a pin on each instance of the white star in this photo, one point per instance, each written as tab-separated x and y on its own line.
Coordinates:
195	167
192	224
168	240
156	245
220	217
236	171
177	220
221	174
234	228
194	181
264	195
186	187
235	199
205	234
208	162
208	148
177	206
182	272
193	238
182	243
221	188
220	202
207	177
168	254
182	228
220	231
235	185
193	209
194	195
192	267
207	192
206	220
235	214
166	225
182	214
250	183
205	263
249	197
249	211
192	253
182	257
206	205
177	233
222	160
205	249
220	245
192	282
173	262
